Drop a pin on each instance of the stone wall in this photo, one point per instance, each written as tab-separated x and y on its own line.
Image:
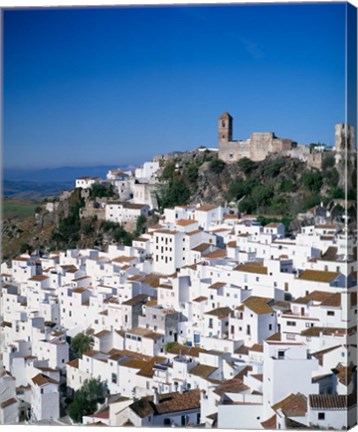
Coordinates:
260	145
232	151
257	148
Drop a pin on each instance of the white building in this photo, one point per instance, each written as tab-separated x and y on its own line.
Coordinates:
124	213
87	182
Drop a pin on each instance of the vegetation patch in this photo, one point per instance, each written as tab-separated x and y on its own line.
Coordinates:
18	209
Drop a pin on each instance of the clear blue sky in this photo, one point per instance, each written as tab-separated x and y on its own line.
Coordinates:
119	85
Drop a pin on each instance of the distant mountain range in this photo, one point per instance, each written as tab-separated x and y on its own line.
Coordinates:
63	174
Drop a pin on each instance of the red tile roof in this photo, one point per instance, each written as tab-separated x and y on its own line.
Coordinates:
332	402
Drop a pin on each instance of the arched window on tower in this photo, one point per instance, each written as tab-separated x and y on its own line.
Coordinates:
223	123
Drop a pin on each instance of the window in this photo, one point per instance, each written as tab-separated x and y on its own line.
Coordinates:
291	323
321	416
210	323
330	313
167	422
270	326
281	355
114	378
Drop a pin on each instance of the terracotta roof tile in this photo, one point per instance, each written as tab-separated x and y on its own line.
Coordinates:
235	385
344	374
185	350
202	247
269	423
221	312
185	222
7	403
200	299
318	276
41	379
203	371
140	298
217	285
219	253
294	405
73	363
168	403
147	370
38	278
316	296
252	268
206	207
334	402
259	305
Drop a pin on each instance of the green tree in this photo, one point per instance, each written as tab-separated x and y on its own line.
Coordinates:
246	165
67	234
175	192
331	177
261	195
192	173
312	180
328	161
337	193
273	167
26	247
109	226
99	190
217	166
140	226
247	205
81	343
239	188
168	171
169	345
311	201
287	185
86	399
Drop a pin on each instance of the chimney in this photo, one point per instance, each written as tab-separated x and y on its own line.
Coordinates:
155	396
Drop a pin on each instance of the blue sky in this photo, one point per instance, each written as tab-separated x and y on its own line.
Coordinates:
119	85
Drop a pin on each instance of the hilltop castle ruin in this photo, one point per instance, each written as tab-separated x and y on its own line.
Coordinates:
262	144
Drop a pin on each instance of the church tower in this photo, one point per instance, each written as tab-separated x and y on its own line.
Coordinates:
225	128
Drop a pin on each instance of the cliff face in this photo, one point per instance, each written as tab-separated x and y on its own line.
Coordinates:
209	179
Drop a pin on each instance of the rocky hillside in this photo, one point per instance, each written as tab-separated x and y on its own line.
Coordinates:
277	188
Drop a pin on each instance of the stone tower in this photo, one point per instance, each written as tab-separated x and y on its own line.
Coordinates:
345	153
344	138
225	128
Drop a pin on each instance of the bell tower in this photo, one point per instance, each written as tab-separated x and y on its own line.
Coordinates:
225	128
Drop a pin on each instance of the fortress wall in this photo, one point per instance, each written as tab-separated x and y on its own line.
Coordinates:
260	144
229	151
233	151
279	145
300	152
315	159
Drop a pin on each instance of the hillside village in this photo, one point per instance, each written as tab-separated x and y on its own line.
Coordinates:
208	318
